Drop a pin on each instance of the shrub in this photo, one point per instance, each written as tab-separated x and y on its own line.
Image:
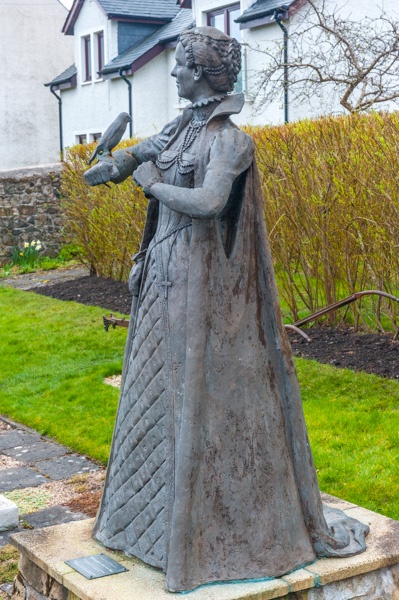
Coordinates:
331	190
69	252
104	222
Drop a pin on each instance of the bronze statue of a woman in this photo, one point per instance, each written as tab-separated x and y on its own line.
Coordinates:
211	476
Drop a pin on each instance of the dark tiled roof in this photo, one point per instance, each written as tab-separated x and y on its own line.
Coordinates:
263	8
64	77
145	9
167	33
171	31
160	11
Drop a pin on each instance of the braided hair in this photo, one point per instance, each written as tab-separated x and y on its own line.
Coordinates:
218	54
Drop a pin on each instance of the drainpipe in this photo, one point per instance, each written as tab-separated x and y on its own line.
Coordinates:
59	119
130	100
278	16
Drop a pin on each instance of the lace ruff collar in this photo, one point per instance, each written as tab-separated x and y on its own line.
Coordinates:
206	101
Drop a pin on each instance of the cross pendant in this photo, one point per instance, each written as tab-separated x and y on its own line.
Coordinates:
166	284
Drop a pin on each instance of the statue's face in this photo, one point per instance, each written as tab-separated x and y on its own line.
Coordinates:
185	76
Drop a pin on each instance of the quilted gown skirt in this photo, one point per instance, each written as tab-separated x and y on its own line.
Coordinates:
139	492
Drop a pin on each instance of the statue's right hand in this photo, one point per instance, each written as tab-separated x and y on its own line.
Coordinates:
135	277
102	172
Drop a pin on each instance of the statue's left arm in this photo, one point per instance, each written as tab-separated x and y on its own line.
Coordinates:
231	154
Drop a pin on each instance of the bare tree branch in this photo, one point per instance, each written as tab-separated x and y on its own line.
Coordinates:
357	61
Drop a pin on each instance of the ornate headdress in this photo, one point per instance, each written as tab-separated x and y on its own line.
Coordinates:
218	54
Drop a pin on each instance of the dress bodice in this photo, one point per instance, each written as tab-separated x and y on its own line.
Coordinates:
177	168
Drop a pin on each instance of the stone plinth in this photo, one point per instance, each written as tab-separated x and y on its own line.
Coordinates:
43	573
8	514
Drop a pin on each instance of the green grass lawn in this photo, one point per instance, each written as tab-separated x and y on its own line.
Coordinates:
53	359
353	424
54	356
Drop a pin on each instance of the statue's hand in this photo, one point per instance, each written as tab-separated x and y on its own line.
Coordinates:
101	172
135	278
136	273
115	168
146	175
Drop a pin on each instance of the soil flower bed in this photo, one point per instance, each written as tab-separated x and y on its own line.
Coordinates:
372	353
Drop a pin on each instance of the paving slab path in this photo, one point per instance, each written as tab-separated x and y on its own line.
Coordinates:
28	281
35	461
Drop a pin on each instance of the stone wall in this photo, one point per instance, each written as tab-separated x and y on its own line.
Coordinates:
33	583
30	209
28	111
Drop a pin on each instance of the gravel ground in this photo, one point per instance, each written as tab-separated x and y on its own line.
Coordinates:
38	279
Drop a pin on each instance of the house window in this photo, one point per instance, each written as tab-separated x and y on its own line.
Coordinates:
99	52
81	139
86	47
223	19
95	137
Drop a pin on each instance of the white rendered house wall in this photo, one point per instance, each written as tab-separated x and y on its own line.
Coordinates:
328	102
32	50
89	108
86	107
252	61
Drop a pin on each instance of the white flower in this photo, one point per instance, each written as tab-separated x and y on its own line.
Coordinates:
38	246
26	245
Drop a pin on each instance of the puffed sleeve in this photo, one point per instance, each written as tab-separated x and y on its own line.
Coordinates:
231	154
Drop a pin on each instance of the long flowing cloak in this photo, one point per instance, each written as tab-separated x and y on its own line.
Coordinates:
244	501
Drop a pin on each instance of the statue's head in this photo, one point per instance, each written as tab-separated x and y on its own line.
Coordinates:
208	58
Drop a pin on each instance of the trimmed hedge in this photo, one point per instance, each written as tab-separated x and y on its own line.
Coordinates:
331	189
105	222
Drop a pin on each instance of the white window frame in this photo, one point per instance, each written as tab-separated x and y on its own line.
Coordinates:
224	10
92	60
81	135
86	58
96	53
94	137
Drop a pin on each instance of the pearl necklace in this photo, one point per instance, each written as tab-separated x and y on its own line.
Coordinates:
192	132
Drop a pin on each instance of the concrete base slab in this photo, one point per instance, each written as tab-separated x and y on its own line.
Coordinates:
6	588
373	575
8	514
